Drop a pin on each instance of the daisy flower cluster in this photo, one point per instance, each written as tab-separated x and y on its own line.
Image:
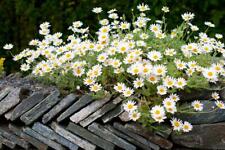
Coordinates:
137	59
131	108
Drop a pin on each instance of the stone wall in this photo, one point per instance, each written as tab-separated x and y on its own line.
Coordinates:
34	116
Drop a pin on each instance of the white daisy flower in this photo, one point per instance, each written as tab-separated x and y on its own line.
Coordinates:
97	10
124	25
143	7
180	83
159	70
24	67
220	104
120	87
89	81
161	90
154	56
165	9
8	46
198	106
209	24
169	82
210	74
153	79
139	82
170	52
187	127
95	87
130	106
134	115
187	16
219	36
215	96
128	92
158	113
174	97
176	124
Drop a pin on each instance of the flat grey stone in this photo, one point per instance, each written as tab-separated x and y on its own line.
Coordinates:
27	104
15	129
52	135
43	139
112	114
37	111
84	133
83	101
124	116
140	130
209	114
99	113
222	93
10	100
7	142
126	137
195	94
137	137
73	138
35	142
5	92
64	103
8	115
11	137
205	136
109	136
86	111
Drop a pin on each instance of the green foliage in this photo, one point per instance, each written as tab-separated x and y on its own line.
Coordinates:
197	82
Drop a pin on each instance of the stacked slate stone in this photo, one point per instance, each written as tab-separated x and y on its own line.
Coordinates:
33	116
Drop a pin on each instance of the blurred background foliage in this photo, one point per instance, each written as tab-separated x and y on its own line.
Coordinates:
20	19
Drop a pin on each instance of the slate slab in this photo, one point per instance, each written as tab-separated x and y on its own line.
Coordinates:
4	92
100	112
7	142
124	116
10	100
8	115
11	137
64	103
52	135
37	111
209	114
126	137
195	95
138	129
43	139
86	111
205	136
27	104
222	93
112	114
83	101
35	142
73	138
17	130
137	137
84	133
109	136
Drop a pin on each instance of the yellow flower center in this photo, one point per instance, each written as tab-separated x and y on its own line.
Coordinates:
130	106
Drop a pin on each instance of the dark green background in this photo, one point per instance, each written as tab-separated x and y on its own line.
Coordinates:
20	19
